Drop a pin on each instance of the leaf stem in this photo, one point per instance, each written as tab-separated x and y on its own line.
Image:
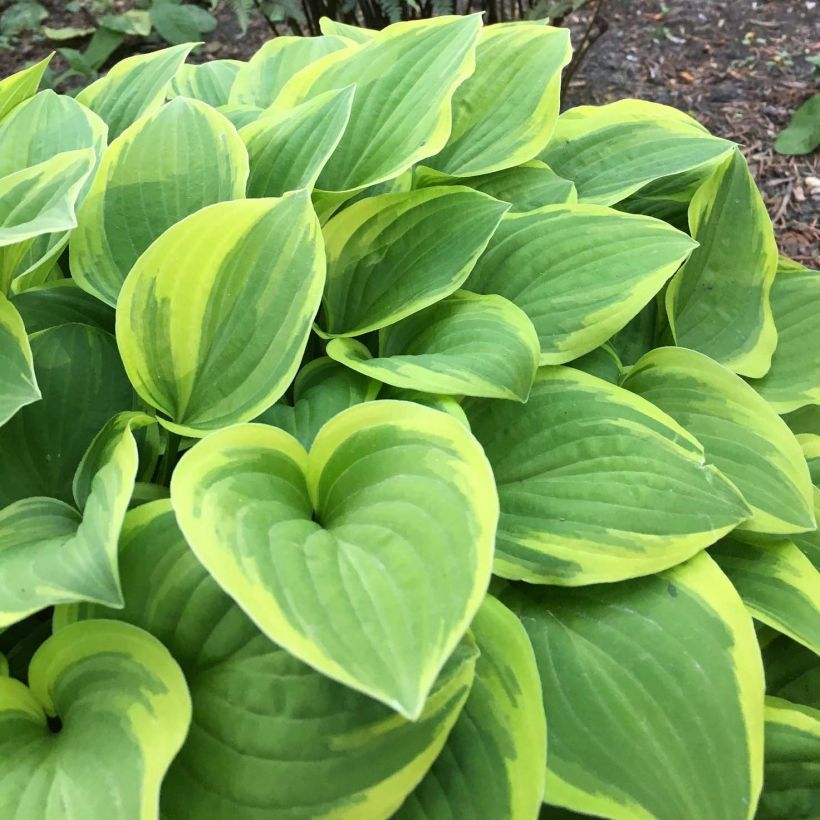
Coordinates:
169	459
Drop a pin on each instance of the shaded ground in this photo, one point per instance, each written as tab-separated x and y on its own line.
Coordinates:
737	65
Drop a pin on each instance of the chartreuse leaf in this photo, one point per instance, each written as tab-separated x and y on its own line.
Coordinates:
22	85
793	380
525	187
61	303
366	558
41	199
585	471
167	165
463	345
358	34
650	687
504	113
719	302
354	756
778	584
83	385
809	542
289	150
611	151
391	255
322	389
50	553
45	125
209	82
135	86
580	272
125	710
212	333
498	122
18	383
791	787
444	404
240	115
740	433
493	762
388	131
260	80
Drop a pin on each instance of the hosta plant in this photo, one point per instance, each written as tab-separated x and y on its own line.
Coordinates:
377	442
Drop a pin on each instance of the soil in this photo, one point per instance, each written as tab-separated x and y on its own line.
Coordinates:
737	65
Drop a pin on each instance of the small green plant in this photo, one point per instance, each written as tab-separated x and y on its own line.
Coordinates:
377	442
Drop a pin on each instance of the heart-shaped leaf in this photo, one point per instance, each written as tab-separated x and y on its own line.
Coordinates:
49	552
580	272
212	333
501	119
124	711
585	472
636	676
164	167
320	749
366	558
493	763
391	255
467	344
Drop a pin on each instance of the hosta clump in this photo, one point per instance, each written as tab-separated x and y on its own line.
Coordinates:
302	356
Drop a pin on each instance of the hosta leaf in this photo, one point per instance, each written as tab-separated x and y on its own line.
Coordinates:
83	385
391	255
240	115
22	85
260	80
167	165
135	86
289	150
809	542
778	584
525	187
358	34
125	710
389	132
505	112
45	125
61	303
463	345
493	762
585	471
740	433
40	199
611	151
719	302
209	82
793	380
18	384
313	546
641	333
791	787
792	671
444	404
351	756
650	687
50	553
602	362
322	389
212	334
580	272
33	262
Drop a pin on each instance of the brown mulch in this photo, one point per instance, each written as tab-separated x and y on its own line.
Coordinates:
737	65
